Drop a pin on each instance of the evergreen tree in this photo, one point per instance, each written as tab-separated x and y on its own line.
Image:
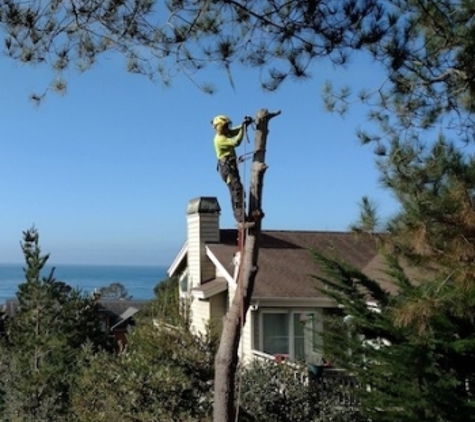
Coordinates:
424	143
166	305
417	350
406	371
43	338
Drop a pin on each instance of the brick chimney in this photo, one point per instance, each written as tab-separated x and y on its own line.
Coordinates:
203	227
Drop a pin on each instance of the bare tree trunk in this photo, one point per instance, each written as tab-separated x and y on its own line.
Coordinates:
227	356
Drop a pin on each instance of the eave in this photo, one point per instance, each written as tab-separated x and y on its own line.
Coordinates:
178	261
210	288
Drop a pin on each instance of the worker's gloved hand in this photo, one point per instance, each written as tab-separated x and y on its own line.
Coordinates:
247	120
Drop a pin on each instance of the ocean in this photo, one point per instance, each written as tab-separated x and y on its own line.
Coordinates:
138	280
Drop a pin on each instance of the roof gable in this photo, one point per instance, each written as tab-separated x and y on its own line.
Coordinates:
286	265
179	263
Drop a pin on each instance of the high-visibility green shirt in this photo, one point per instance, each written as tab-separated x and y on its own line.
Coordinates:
224	144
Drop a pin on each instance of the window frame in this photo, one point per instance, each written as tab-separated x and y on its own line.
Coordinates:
317	323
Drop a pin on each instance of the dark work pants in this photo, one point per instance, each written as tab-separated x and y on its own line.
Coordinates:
229	172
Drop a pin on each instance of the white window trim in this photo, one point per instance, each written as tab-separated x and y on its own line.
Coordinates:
184	294
261	326
291	331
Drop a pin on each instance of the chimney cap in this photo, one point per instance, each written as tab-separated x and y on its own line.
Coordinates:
203	205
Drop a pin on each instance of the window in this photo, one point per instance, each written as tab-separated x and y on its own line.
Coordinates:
184	283
275	328
299	337
295	333
313	327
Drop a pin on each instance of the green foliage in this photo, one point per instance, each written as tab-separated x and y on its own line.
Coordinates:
98	391
114	291
424	113
368	221
428	88
166	305
55	366
435	189
156	39
166	290
42	341
166	373
282	393
410	372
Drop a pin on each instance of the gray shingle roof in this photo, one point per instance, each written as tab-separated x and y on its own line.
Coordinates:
286	265
117	307
113	307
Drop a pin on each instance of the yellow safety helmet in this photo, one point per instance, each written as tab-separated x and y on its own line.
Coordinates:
220	120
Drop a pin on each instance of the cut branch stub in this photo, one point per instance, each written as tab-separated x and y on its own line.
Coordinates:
259	166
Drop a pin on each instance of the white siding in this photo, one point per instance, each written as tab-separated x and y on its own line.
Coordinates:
245	346
202	228
200	313
218	308
193	254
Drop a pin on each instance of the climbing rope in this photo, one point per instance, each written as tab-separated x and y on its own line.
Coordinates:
241	243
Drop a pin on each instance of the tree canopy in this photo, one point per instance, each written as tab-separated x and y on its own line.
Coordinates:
425	47
428	61
114	290
406	371
161	39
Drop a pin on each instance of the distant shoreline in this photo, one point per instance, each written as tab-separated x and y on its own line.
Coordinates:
139	280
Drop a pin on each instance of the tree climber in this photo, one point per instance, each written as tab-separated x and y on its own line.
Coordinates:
225	142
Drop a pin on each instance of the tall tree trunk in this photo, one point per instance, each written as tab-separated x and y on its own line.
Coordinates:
227	356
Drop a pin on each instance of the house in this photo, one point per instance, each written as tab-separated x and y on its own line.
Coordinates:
115	315
285	317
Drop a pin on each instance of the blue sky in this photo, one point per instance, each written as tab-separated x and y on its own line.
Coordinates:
105	171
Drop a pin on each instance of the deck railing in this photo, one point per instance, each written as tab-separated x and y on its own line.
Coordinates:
334	381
